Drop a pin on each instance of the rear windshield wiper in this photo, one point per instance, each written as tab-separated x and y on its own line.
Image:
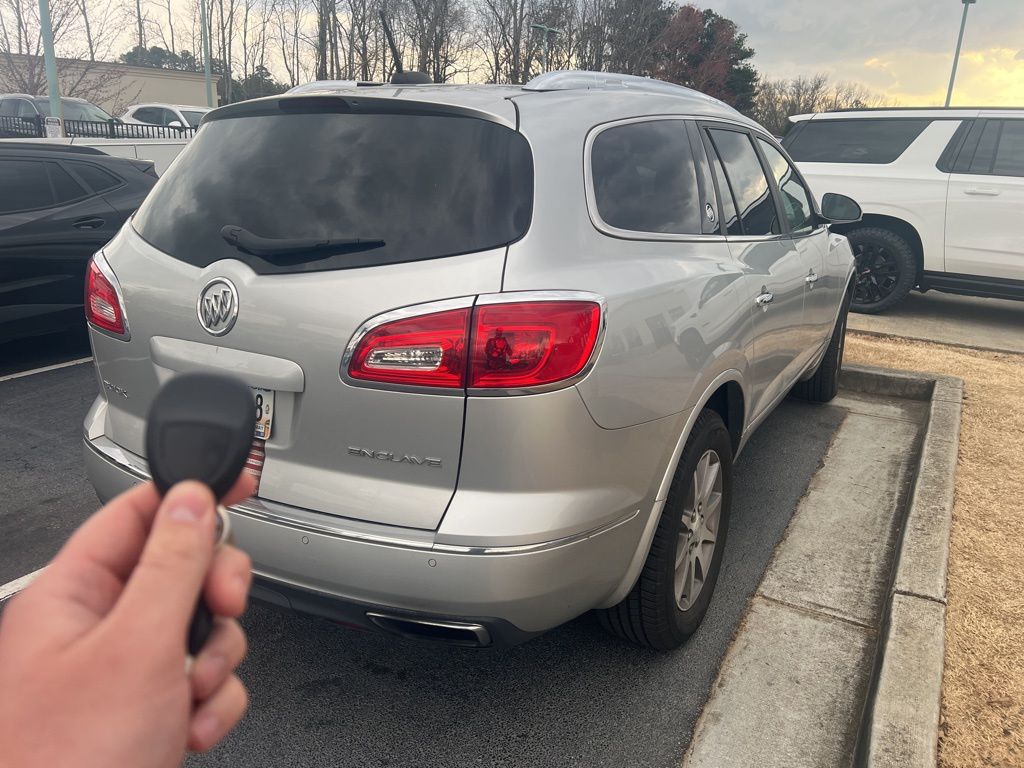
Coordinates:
245	240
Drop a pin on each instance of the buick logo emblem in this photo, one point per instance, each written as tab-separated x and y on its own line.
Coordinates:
218	306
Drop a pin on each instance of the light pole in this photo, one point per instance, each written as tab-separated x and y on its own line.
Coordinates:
959	42
547	32
46	27
206	53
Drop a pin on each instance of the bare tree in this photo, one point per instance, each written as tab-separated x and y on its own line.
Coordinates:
778	100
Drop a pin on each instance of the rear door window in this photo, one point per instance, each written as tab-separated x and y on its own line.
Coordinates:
8	108
419	186
24	185
1010	153
65	188
747	182
993	148
867	140
644	178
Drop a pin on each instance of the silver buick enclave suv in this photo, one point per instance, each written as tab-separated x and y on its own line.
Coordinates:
506	342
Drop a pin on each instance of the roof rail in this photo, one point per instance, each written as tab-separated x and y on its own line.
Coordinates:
575	79
39	146
911	109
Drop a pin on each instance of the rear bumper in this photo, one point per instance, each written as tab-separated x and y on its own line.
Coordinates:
344	570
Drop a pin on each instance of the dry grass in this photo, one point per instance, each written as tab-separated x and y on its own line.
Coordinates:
983	687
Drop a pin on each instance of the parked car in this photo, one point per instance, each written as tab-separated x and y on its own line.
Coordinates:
21	116
942	192
505	353
177	116
58	205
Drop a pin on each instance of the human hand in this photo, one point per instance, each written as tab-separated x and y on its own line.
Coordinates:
92	653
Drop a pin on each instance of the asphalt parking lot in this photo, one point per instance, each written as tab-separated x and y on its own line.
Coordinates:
324	695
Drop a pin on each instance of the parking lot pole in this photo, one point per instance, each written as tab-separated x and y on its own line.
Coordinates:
206	52
46	27
956	56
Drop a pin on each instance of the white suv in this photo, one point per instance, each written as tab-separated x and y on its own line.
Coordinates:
942	192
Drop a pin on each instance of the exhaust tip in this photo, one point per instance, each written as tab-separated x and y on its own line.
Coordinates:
465	634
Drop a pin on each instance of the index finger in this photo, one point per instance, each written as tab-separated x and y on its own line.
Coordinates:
90	570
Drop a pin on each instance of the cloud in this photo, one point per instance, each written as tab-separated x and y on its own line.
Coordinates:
903	49
1020	55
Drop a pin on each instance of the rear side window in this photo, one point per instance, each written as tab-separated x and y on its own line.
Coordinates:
426	185
644	178
97	178
747	182
868	140
8	108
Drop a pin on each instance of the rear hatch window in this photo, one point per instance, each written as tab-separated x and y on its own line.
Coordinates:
867	140
293	173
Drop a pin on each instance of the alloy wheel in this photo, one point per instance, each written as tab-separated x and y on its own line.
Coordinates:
878	273
699	530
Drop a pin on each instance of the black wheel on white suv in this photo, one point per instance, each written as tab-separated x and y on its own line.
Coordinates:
886	269
671	596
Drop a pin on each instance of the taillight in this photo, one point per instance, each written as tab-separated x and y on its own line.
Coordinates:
426	350
103	306
494	345
531	343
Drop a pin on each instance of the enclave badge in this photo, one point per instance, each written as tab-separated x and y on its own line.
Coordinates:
217	307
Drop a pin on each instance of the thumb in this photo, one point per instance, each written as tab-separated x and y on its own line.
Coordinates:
165	585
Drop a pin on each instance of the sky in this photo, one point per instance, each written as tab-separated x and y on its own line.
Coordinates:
900	48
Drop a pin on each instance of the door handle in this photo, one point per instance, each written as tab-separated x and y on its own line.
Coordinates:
811	278
982	191
766	298
90	223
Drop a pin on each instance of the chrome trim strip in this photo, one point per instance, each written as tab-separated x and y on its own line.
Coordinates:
100	259
276	513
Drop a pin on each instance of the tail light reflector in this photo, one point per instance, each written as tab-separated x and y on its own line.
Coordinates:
103	306
530	344
490	346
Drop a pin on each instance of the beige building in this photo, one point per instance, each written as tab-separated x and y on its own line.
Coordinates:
114	87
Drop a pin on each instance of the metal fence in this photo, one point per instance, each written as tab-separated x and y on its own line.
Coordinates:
34	127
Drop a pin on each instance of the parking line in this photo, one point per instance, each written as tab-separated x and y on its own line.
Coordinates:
44	369
11	588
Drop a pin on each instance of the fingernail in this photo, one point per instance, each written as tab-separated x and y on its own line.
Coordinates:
188	507
206	728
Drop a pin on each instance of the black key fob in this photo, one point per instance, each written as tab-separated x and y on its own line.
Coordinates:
200	427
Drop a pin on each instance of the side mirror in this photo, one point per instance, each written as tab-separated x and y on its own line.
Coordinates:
840	209
175	124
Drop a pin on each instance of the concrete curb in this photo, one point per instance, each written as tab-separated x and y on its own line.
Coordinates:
900	723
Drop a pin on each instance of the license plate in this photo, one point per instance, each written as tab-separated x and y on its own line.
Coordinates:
264	412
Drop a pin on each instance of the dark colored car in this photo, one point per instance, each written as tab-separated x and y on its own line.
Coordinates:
21	116
58	206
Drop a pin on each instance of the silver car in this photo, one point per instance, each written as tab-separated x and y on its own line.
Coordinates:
506	342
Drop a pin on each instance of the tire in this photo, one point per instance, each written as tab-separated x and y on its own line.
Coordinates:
886	269
824	384
652	614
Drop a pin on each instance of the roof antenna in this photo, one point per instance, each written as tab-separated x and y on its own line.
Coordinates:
401	77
